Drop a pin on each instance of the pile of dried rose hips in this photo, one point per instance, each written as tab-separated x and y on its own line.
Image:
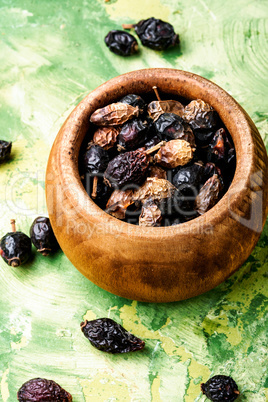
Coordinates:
157	162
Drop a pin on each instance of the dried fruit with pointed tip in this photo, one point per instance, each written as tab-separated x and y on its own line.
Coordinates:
42	236
108	336
154	188
156	34
208	195
156	108
127	168
42	390
200	115
220	388
106	137
174	153
121	43
150	214
5	150
15	247
114	114
118	203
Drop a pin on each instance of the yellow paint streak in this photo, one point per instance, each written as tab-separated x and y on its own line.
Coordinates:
137	10
89	316
105	387
155	390
4	386
220	324
21	344
132	323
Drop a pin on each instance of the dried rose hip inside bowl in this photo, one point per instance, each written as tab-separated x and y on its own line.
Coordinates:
155	161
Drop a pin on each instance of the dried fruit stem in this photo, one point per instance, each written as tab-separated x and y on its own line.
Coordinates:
13	226
44	251
128	26
156	93
14	262
94	190
155	148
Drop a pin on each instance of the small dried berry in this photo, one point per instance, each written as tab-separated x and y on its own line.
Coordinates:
118	203
15	247
200	115
42	390
156	108
127	168
114	114
150	214
95	159
106	335
106	137
132	134
134	100
171	126
190	176
121	43
208	195
5	150
174	153
42	236
154	188
156	34
220	388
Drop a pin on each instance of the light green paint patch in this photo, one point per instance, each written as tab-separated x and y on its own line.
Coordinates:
105	389
140	10
4	386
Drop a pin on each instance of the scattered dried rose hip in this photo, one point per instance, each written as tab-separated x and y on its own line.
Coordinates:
220	388
121	43
161	164
106	335
42	236
5	150
42	390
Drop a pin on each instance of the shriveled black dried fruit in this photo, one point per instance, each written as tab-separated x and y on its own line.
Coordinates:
127	168
15	247
208	195
190	176
42	390
5	150
209	170
170	126
42	236
156	34
200	115
132	134
134	100
103	192
106	335
220	388
95	159
121	43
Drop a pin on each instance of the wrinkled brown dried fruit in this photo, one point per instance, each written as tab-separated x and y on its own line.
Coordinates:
118	203
208	195
156	108
154	188
200	115
106	137
174	153
42	390
114	114
157	171
150	214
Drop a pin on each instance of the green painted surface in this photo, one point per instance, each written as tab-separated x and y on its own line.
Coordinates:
52	55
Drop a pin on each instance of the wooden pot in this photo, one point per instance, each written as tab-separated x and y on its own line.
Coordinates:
167	263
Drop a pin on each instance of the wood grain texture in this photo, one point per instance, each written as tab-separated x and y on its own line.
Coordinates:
158	264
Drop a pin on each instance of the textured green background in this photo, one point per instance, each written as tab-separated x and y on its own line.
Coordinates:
52	55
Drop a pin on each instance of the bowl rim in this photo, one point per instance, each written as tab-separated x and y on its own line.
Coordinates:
237	120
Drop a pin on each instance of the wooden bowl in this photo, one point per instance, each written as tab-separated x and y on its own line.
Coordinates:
167	263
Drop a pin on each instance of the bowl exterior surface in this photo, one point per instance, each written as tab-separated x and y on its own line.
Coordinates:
158	264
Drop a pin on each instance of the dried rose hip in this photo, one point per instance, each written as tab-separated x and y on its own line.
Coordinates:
154	188
135	101
156	34
127	168
132	133
15	247
174	153
42	390
106	137
190	176
150	214
5	150
118	203
95	159
121	43
200	115
114	114
170	127
220	388
208	195
156	108
108	336
42	236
